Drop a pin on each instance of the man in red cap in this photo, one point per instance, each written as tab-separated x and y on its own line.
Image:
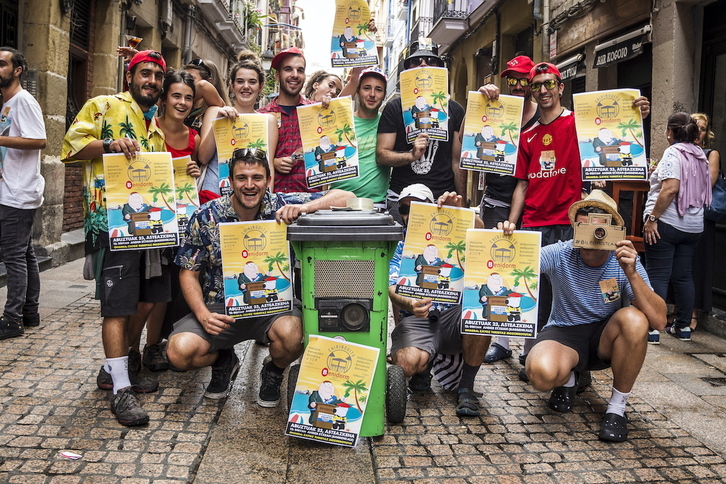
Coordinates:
548	172
289	165
121	123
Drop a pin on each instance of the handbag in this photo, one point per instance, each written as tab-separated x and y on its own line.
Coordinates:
717	211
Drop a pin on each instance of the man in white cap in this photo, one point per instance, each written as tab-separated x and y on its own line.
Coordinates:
603	307
428	328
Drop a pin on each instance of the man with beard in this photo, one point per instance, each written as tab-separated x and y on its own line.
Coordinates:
206	336
121	123
289	165
373	180
430	162
22	136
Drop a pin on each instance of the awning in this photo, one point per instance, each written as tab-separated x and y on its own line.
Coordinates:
622	48
569	67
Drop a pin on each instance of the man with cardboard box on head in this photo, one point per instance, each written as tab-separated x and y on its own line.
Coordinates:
603	306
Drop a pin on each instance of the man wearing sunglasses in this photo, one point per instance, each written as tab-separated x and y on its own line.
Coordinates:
206	336
432	163
121	123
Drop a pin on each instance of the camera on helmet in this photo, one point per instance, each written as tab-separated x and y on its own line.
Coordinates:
597	232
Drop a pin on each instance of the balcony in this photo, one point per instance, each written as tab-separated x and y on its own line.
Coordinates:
402	10
451	22
215	10
421	28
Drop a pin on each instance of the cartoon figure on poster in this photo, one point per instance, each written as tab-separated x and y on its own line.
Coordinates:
329	142
433	253
140	193
500	294
351	43
332	391
610	135
491	134
187	197
256	269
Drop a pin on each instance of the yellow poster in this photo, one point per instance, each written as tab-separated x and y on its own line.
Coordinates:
352	44
491	133
247	131
432	263
187	198
610	135
332	391
256	268
424	102
330	149
140	200
501	285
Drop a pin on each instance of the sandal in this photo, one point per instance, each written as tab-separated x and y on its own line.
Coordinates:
614	428
468	403
562	399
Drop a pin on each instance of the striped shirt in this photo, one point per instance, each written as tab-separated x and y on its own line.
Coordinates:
583	294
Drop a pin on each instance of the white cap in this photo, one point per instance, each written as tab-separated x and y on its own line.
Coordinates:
419	191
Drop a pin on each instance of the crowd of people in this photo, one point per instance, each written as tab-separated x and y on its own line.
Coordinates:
178	294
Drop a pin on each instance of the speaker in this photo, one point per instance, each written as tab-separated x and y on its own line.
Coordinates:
343	314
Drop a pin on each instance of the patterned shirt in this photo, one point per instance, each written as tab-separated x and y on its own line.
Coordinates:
201	246
105	117
288	142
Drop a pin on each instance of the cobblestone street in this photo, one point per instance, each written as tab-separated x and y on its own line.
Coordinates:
49	403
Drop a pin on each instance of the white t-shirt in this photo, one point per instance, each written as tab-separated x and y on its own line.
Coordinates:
22	185
670	167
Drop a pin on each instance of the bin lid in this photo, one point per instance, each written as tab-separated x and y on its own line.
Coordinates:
345	224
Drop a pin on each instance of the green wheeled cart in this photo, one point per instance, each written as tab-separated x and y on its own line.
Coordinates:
344	257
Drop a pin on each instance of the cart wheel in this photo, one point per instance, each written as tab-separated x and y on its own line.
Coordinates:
292	375
396	394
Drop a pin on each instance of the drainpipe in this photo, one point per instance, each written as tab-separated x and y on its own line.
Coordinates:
188	26
545	29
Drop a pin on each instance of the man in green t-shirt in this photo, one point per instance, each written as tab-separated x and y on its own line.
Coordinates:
373	179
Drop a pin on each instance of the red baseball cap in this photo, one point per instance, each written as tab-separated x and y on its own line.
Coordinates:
521	64
148	56
284	53
551	69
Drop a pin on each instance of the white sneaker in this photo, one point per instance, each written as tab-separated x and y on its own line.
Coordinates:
654	337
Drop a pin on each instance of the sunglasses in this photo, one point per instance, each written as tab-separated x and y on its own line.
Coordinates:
430	61
549	84
198	63
241	153
513	81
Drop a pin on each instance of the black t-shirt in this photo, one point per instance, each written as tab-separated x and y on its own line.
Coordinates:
433	169
501	187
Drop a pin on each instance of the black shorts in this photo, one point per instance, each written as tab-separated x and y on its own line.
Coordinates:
122	285
442	336
241	330
583	338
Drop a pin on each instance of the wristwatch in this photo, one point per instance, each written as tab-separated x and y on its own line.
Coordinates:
653	218
107	145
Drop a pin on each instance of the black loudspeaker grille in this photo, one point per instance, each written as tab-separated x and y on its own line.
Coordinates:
344	278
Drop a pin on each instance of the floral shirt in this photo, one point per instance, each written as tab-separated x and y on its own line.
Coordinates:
105	117
201	246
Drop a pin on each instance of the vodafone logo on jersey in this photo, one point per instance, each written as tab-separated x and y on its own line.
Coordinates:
548	173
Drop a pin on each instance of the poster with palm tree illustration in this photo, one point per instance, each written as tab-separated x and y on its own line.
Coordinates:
433	259
610	135
247	131
352	43
187	198
332	391
141	201
501	284
491	133
329	144
424	102
255	268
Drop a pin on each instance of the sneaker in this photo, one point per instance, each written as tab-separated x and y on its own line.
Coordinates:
134	362
270	382
654	337
154	358
127	409
10	329
31	320
683	334
224	371
139	384
420	382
